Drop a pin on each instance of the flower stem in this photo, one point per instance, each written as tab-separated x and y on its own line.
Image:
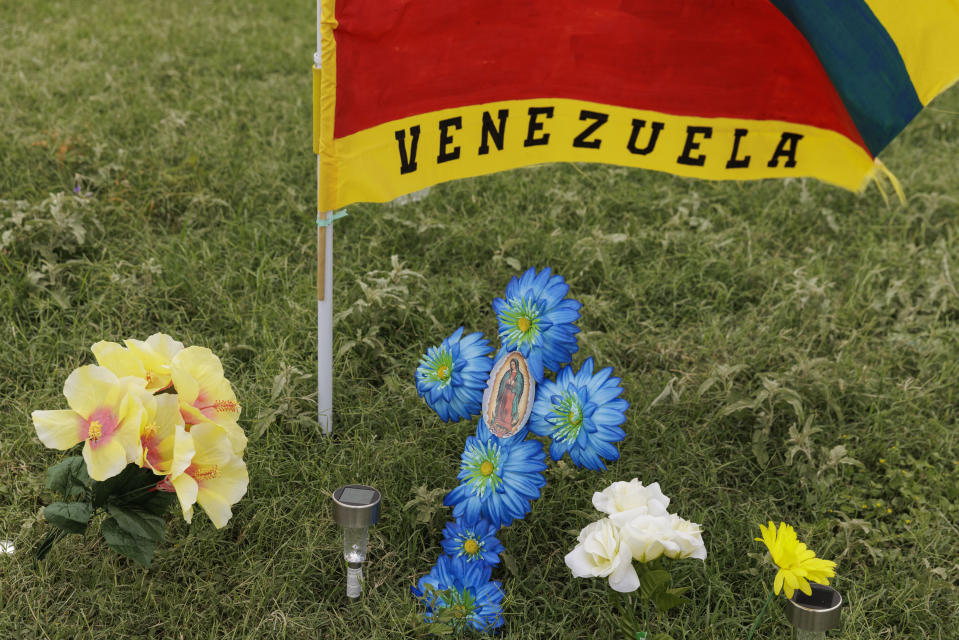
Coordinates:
762	612
145	489
48	543
627	615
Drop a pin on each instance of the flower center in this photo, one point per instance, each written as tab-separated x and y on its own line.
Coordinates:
226	406
479	464
461	607
569	417
520	323
471	547
149	433
443	373
208	472
96	430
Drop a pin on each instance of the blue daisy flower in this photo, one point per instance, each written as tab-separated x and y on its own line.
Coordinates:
475	541
465	591
452	377
581	412
497	480
537	320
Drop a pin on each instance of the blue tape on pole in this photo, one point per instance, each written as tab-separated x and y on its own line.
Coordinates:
321	222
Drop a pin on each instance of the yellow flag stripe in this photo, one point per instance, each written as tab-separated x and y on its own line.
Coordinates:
327	165
926	32
316	110
399	157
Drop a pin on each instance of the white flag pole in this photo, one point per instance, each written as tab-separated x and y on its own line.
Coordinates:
324	288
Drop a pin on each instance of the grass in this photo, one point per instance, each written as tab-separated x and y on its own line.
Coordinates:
789	349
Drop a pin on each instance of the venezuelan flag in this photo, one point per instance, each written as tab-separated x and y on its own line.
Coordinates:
417	92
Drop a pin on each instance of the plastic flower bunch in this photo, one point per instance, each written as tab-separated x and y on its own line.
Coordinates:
580	412
637	527
155	419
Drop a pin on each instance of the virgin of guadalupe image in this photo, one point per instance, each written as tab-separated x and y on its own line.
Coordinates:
507	414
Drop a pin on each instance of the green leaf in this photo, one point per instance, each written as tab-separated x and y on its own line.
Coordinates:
664	600
628	627
69	516
69	477
126	544
139	523
156	502
662	636
440	629
130	486
510	563
654	582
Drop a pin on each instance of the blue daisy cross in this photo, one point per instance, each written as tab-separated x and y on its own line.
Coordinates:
501	468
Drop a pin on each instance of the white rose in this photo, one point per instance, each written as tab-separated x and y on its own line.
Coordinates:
623	501
600	554
648	536
688	537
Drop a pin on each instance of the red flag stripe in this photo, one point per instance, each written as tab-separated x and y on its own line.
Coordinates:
735	59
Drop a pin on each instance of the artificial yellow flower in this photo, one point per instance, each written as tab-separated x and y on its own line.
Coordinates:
156	353
158	433
148	359
105	414
205	394
215	477
797	564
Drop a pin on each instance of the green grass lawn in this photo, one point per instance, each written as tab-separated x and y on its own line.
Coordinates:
790	350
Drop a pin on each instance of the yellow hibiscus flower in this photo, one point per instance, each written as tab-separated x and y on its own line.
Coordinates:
205	394
148	359
206	472
156	353
158	433
105	414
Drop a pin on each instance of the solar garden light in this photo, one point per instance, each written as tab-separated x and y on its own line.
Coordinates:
355	508
811	616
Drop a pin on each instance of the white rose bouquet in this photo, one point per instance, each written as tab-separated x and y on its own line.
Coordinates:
638	528
158	424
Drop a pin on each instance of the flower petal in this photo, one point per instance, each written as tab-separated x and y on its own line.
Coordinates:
624	579
120	361
581	563
186	492
105	461
89	387
60	428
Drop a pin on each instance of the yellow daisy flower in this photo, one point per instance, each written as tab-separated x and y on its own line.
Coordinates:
797	564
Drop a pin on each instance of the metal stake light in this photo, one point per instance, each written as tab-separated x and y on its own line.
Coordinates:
811	616
355	508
